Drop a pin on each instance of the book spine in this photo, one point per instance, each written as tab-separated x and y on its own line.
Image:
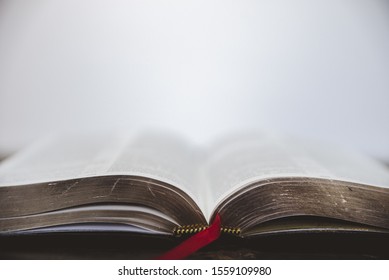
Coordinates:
230	230
195	228
189	229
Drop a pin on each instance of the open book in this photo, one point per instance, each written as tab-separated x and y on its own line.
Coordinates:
161	184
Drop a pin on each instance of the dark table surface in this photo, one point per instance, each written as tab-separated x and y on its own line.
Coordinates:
129	246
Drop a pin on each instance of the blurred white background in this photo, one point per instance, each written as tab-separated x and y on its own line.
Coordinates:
317	69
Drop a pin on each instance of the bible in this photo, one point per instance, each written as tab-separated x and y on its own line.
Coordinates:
161	184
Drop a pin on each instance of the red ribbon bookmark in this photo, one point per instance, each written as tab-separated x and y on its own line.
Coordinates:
194	243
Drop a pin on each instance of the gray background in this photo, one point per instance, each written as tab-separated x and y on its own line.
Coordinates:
316	69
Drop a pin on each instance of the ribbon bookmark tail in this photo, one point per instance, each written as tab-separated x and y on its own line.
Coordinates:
195	242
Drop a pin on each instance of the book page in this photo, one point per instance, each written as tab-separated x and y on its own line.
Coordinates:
163	157
240	160
61	157
158	156
207	175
